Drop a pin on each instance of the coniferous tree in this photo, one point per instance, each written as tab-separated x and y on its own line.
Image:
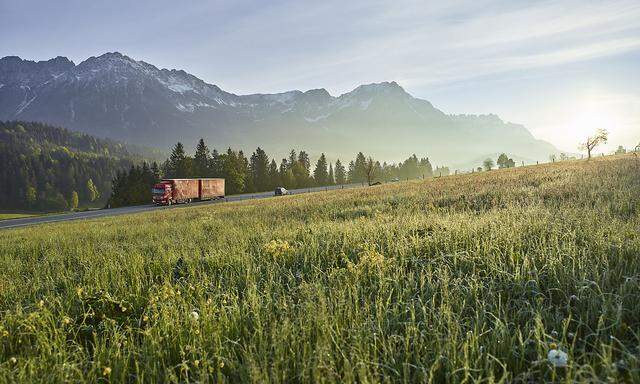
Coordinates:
233	171
201	160
340	173
215	164
285	172
274	176
259	168
177	165
320	174
359	169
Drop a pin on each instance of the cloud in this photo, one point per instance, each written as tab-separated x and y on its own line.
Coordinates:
342	46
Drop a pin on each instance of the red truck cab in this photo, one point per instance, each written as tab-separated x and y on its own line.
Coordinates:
162	193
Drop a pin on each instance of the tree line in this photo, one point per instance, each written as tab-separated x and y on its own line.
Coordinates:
259	172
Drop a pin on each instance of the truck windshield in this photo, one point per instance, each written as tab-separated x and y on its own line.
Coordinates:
158	191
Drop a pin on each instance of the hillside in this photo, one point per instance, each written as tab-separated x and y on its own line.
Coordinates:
115	96
44	165
471	277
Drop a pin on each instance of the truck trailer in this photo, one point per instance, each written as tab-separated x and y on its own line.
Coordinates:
175	191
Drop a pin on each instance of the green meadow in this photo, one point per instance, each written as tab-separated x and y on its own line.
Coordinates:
469	278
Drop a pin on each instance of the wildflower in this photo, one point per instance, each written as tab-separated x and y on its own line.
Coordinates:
41	303
5	333
124	309
79	291
13	360
558	358
195	315
106	371
277	248
221	365
209	301
145	318
196	363
66	320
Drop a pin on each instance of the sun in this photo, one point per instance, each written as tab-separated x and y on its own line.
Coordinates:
587	115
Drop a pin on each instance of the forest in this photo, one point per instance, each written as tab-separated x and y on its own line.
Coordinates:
259	172
52	169
47	168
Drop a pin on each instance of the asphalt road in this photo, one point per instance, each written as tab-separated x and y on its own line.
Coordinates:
13	223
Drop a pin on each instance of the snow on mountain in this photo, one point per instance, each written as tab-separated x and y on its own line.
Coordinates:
116	96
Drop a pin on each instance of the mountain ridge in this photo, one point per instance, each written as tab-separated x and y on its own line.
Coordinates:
113	95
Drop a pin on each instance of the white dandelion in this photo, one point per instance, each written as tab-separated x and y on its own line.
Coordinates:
558	358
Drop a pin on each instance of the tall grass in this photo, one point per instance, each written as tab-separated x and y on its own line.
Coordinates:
470	278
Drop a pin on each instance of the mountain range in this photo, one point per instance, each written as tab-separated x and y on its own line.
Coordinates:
117	97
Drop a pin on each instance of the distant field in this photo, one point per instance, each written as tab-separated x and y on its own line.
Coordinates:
9	215
463	278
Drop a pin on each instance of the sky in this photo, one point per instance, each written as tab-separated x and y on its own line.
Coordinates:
561	68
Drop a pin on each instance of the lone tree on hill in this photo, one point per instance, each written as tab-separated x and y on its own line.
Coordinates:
505	162
600	137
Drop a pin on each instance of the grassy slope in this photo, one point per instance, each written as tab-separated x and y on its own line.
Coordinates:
459	278
15	215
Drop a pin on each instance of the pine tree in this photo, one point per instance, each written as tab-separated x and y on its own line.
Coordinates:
201	160
177	167
215	164
301	169
320	174
359	173
259	168
233	171
285	172
340	173
274	176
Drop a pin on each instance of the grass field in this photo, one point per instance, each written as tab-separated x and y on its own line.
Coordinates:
12	215
470	278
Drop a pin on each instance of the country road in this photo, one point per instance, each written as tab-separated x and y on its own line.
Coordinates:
13	223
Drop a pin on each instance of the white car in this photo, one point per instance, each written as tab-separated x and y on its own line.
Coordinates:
281	191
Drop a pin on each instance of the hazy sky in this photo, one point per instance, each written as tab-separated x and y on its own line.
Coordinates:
562	68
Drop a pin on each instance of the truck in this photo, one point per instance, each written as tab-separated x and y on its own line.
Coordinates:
176	191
